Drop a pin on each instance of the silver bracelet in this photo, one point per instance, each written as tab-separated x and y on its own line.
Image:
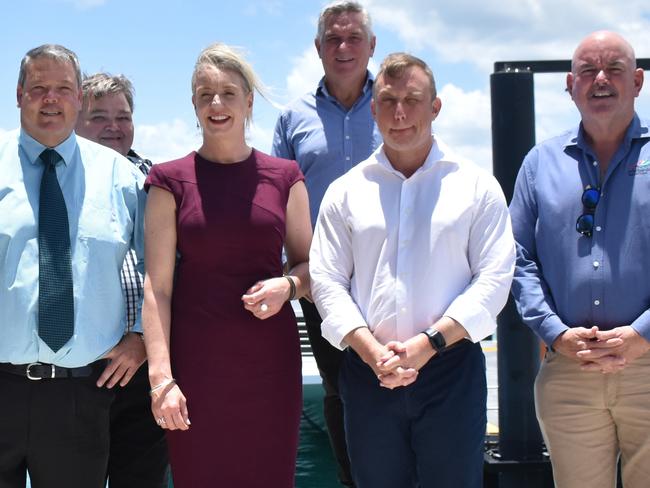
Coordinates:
162	385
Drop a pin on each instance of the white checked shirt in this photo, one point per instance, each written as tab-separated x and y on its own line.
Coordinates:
132	280
396	254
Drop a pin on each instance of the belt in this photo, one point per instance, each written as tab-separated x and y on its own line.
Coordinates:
42	371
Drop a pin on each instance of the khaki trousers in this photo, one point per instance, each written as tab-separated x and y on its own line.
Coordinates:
589	419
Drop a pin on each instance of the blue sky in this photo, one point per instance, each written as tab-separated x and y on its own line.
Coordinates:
155	43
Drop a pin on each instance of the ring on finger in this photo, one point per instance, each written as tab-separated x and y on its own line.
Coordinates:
264	308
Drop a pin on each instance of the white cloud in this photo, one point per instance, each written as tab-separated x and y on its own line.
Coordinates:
171	140
464	123
166	140
305	73
260	137
554	110
502	30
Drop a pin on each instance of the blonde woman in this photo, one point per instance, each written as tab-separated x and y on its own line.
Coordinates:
220	333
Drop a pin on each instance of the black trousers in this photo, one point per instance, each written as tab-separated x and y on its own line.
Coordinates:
138	449
329	360
57	429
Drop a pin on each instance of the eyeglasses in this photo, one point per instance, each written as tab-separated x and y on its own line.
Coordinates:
585	223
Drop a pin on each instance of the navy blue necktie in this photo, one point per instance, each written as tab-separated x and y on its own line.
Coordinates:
55	293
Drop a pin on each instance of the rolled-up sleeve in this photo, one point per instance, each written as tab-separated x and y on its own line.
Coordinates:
331	266
529	289
491	255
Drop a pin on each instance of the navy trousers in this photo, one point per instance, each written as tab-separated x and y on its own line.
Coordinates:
428	434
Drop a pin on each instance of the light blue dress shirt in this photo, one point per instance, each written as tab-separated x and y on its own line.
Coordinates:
105	199
325	138
562	278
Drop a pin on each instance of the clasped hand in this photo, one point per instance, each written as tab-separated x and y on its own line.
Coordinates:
607	351
401	361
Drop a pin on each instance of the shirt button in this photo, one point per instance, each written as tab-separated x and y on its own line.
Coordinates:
403	309
347	137
347	117
596	302
598	228
596	264
595	163
347	158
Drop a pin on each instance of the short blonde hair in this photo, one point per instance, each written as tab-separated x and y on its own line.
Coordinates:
395	64
224	57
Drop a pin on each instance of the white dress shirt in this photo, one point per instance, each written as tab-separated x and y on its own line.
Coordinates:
396	254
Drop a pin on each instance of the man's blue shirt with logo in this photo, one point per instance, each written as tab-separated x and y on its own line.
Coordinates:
566	279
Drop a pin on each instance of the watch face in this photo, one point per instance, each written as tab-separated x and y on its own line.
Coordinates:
436	339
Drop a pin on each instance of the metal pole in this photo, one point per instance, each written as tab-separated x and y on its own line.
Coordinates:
518	356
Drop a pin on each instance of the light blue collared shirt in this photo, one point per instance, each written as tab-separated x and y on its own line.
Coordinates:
105	199
562	278
325	138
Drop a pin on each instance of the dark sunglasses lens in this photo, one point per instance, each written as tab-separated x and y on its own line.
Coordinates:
590	198
585	224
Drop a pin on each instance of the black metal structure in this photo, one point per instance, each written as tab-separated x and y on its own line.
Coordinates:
517	459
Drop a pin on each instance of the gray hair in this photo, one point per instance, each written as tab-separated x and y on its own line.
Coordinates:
102	84
339	7
224	57
50	51
395	64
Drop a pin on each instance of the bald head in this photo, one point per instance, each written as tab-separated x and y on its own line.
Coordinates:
604	82
604	42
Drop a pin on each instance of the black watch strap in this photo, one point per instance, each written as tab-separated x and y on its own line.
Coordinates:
436	339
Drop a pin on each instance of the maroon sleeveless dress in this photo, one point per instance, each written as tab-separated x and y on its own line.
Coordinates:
241	375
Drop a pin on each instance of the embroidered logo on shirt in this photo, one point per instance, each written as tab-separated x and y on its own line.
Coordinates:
641	167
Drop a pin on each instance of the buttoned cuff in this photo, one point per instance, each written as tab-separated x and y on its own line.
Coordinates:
137	326
550	329
477	321
642	325
335	327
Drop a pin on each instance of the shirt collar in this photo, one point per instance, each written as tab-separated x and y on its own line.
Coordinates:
636	130
33	148
321	89
436	153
